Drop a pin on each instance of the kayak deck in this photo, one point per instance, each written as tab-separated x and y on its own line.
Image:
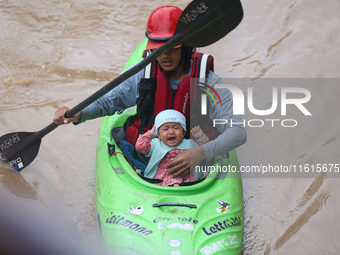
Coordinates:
137	217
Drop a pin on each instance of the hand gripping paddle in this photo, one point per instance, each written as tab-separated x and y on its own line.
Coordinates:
202	23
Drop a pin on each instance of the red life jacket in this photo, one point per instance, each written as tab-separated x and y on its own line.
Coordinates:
156	95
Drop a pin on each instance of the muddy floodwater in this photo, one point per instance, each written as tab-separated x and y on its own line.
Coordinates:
59	52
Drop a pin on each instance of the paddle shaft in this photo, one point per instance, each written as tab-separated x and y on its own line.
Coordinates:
174	41
195	19
196	26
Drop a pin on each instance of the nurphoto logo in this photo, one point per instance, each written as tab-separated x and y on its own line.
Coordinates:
239	103
204	96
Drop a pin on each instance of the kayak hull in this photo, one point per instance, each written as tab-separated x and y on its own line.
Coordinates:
138	217
191	220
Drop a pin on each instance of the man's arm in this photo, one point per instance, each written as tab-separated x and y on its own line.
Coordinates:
119	98
231	135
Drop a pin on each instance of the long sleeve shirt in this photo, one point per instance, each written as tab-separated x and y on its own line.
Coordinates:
126	94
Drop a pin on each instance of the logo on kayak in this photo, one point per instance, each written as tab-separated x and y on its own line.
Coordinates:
224	206
182	226
221	226
167	219
177	225
174	243
176	252
216	246
137	211
129	224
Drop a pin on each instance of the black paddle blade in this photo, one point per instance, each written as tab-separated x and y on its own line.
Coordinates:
210	19
22	158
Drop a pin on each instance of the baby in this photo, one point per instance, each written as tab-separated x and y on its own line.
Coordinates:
164	141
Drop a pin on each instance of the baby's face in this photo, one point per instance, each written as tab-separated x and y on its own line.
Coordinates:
171	133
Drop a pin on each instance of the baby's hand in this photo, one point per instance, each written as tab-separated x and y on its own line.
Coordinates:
197	132
153	131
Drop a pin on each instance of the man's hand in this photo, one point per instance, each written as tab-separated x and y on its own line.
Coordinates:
185	161
59	118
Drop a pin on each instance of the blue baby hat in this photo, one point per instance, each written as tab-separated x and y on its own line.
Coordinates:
169	116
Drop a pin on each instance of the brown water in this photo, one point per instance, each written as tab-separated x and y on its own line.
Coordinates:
56	53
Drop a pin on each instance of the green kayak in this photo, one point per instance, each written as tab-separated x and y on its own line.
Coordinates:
139	217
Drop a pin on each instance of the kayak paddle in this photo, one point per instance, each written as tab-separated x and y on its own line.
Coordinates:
202	23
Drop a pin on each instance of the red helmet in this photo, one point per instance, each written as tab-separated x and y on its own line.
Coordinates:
161	25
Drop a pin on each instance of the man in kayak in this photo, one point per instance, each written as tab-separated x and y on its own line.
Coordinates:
162	144
165	84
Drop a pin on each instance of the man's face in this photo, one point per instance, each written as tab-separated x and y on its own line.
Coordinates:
170	59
